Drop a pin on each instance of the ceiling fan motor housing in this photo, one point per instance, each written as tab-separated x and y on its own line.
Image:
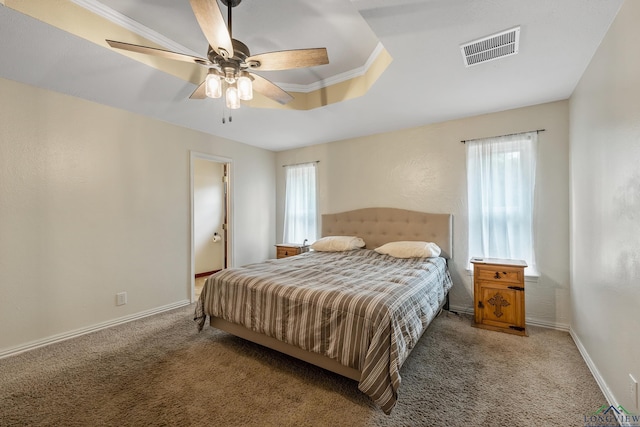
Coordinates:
240	53
231	3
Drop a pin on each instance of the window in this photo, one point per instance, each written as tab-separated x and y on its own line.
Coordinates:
501	182
300	211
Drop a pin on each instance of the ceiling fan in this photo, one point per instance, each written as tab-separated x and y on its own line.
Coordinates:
229	60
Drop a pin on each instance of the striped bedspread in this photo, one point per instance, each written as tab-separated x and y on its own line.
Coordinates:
363	309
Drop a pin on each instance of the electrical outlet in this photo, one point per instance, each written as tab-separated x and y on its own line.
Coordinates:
633	391
121	298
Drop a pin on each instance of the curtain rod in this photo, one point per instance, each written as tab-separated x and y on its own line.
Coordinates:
498	136
303	163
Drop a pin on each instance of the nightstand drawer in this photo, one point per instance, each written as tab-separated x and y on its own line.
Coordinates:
287	250
499	274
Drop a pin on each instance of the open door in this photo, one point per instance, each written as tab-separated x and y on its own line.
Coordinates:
225	222
211	232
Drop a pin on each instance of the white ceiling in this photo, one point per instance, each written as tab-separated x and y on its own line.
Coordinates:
426	82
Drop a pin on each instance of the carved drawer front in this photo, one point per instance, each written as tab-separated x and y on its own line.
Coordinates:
501	274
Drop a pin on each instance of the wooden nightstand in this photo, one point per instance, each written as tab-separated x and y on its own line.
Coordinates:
284	250
498	293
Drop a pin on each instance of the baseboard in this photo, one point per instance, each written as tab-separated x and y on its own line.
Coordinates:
546	324
460	309
529	321
594	370
93	328
206	273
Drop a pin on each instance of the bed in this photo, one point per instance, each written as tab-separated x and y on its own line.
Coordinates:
357	313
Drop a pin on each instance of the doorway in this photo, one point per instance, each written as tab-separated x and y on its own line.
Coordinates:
210	217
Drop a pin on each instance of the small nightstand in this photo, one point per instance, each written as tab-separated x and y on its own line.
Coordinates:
498	293
284	250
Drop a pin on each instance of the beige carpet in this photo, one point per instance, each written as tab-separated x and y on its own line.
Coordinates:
159	371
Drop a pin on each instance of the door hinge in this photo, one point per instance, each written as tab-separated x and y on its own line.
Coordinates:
516	288
224	226
517	328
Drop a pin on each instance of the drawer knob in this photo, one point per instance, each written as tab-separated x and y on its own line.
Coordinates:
497	275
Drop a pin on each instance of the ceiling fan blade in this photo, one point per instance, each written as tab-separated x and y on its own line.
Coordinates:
269	89
158	52
213	26
287	59
200	92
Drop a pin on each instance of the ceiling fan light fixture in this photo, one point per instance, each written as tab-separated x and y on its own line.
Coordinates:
213	85
245	88
232	98
230	74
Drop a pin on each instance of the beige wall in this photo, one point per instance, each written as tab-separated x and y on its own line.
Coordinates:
95	201
424	169
605	205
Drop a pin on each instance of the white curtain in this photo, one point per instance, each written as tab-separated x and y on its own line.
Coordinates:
501	181
300	206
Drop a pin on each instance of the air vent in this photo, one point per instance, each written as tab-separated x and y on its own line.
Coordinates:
495	46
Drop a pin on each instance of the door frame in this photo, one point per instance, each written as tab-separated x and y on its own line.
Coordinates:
193	156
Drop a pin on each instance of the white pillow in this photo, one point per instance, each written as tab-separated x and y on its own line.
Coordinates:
337	243
410	249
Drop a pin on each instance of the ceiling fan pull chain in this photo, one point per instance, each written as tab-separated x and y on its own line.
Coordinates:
224	113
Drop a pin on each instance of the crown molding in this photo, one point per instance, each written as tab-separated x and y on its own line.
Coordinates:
133	26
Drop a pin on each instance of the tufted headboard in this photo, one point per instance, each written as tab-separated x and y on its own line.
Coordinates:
378	226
